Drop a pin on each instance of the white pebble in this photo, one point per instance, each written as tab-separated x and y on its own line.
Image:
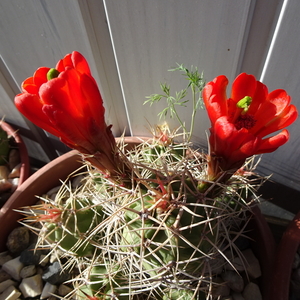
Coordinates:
13	267
15	172
252	264
4	257
5	185
28	271
6	284
237	296
252	292
48	290
4	172
31	286
10	293
44	259
77	181
14	183
64	290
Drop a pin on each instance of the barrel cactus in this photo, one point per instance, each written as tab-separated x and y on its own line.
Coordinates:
155	220
157	238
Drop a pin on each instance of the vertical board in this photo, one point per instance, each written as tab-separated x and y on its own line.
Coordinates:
281	71
150	37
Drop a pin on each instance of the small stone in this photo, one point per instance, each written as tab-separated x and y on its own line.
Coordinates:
18	240
5	185
52	193
11	293
4	276
28	271
236	264
220	289
4	257
31	256
4	172
31	286
233	280
55	275
237	296
252	292
48	290
216	265
5	284
252	264
13	268
14	183
77	181
64	290
15	172
44	260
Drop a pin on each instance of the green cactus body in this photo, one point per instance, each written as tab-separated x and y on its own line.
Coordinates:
153	240
70	233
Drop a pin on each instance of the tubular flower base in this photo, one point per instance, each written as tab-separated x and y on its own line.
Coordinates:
240	124
66	102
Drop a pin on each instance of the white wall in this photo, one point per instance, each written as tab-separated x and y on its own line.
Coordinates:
131	44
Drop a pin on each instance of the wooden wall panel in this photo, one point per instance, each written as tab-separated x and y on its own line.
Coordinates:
150	37
131	44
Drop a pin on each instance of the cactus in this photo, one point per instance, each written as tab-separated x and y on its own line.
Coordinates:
153	221
157	239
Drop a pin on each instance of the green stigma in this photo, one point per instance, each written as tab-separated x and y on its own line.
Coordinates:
52	73
244	104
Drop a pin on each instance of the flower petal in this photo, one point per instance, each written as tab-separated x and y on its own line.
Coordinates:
272	143
243	85
31	107
214	96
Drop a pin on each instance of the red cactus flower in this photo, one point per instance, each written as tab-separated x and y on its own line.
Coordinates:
240	124
66	102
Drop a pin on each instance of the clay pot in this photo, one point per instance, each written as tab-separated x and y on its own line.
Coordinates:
284	259
50	175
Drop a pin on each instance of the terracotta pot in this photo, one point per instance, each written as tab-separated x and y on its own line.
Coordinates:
25	166
50	175
284	259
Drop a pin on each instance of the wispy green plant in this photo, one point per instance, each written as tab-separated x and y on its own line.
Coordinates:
195	86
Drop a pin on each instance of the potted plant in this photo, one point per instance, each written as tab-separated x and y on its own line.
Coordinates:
14	161
151	220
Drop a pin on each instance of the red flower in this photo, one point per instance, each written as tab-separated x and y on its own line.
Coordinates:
66	102
240	124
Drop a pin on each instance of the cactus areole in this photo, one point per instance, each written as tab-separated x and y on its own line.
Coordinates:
154	221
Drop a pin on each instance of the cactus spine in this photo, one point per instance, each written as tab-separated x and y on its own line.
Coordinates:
157	238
